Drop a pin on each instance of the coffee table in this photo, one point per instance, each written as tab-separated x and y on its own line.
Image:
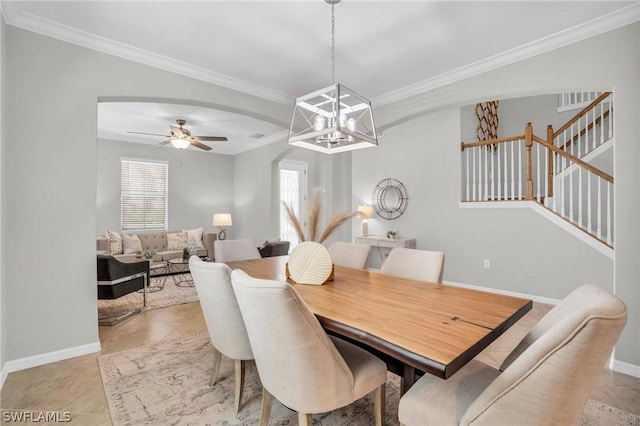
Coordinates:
179	269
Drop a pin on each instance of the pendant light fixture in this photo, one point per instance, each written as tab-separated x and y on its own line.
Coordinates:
333	119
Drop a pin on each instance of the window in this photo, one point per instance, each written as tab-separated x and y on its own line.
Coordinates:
293	188
143	195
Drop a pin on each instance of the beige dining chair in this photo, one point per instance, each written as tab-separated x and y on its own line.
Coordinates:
230	250
224	321
546	380
414	264
352	255
298	364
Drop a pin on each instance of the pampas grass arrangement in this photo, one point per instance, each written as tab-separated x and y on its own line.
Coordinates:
313	217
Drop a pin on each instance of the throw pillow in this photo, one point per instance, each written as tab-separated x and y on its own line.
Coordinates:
131	244
197	235
176	241
115	242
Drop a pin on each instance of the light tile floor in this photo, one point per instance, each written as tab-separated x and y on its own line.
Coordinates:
75	385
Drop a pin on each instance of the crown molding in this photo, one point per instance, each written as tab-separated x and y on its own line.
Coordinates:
603	24
15	16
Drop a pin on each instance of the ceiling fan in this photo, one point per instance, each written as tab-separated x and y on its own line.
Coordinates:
182	138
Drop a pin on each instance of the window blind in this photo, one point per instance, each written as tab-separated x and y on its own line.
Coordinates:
143	195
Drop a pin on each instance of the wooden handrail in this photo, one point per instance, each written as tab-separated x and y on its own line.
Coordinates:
586	129
599	99
576	160
464	145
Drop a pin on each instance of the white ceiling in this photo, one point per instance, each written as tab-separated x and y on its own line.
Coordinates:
385	50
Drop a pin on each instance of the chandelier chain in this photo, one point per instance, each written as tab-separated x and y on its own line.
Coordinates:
333	44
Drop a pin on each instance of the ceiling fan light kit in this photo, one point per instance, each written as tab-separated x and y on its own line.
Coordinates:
333	119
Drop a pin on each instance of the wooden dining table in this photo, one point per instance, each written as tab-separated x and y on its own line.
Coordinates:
414	326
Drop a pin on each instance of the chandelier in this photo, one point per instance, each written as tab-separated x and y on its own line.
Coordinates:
333	119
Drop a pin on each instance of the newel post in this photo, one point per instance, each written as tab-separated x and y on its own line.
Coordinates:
550	161
528	143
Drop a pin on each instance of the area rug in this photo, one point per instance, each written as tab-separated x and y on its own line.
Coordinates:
170	295
167	383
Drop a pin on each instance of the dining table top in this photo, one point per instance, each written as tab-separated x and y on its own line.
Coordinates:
432	327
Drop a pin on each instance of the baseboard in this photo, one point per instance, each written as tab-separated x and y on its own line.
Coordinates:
4	372
626	368
617	366
539	299
47	358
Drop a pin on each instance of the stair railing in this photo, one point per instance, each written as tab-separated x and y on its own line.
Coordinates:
588	129
521	168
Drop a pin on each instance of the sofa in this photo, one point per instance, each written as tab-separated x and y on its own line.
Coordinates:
163	245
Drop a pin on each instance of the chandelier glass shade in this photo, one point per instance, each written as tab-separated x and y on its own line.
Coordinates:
333	119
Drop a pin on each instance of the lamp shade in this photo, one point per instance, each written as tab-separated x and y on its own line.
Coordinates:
222	219
365	211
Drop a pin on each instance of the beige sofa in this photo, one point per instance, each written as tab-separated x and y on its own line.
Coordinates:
156	243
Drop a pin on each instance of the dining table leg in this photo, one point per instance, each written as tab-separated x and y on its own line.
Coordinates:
408	378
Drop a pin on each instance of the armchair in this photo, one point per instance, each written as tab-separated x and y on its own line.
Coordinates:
116	279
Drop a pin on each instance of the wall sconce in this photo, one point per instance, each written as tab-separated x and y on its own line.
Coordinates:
365	212
221	221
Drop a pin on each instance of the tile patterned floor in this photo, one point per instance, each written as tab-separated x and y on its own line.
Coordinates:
75	385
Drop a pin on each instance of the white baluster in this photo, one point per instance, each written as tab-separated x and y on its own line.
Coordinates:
493	176
513	174
562	200
486	174
545	154
602	123
468	177
538	181
580	197
520	183
473	174
499	163
589	206
556	159
506	175
610	108
593	129
570	170
609	230
599	215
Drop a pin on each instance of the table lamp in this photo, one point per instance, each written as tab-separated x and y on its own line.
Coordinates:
365	212
222	220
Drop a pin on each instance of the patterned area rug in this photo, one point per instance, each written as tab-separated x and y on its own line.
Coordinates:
166	383
170	295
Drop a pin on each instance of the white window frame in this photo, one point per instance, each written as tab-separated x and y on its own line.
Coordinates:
301	207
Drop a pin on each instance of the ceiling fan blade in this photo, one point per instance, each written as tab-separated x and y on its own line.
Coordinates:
151	134
200	145
210	138
168	141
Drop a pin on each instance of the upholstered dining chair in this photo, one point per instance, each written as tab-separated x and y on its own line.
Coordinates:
298	364
545	380
414	264
224	321
352	255
230	250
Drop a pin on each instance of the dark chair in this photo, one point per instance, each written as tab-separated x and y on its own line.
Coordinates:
116	279
275	248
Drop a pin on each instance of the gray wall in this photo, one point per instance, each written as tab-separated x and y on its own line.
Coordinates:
567	69
255	187
3	322
50	158
200	184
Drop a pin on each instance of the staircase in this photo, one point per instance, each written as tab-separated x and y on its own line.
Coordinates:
556	172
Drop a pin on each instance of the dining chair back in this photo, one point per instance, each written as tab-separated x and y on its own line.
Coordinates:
414	264
231	250
298	363
546	379
223	319
352	255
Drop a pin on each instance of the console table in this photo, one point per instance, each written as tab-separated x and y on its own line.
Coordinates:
382	241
